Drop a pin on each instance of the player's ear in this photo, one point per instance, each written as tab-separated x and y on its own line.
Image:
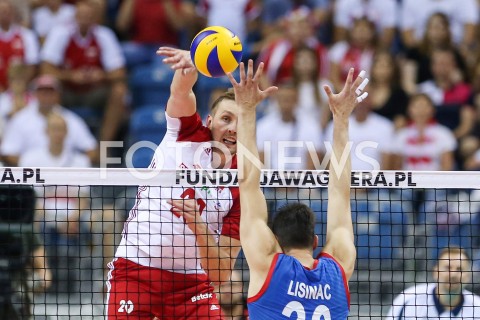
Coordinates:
209	121
315	242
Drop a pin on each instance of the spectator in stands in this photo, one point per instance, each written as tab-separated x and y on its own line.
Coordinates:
279	55
387	97
288	139
148	25
356	52
371	136
35	277
55	153
472	162
312	99
424	144
53	14
88	60
450	93
383	14
416	65
65	210
274	13
17	96
469	147
17	44
23	10
26	129
234	15
59	207
463	16
445	297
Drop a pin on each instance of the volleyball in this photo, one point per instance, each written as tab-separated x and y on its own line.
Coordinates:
216	51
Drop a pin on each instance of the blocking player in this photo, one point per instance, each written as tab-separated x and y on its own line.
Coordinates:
285	279
176	241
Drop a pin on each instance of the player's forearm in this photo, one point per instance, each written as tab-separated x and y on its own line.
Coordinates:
182	83
215	262
125	16
182	100
248	150
340	175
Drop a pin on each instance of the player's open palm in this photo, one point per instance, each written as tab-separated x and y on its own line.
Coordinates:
247	92
343	103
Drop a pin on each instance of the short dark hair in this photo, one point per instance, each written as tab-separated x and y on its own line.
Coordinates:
294	226
227	95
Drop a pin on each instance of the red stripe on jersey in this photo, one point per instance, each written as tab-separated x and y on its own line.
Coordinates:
345	281
192	129
231	222
267	280
12	50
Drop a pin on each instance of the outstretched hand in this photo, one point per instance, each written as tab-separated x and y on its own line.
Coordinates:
343	103
247	92
178	59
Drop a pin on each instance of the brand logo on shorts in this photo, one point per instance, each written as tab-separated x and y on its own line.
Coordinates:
202	296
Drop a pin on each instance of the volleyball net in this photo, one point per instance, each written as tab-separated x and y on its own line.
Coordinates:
60	227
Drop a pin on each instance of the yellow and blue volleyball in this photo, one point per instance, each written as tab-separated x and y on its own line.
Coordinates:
216	51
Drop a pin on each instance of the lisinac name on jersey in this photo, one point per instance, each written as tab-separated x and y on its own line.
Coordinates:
294	291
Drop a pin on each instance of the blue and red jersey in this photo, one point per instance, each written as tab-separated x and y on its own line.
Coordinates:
294	291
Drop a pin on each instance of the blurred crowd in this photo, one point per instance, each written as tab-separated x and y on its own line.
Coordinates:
69	78
81	60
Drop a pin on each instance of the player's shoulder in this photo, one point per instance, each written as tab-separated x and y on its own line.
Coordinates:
27	113
63	32
104	32
471	298
24	31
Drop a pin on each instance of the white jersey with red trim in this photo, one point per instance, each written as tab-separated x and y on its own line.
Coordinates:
153	236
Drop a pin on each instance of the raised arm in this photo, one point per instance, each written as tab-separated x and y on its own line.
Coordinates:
257	240
182	101
340	241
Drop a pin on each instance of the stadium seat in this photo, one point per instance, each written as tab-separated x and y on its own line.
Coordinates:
147	124
150	84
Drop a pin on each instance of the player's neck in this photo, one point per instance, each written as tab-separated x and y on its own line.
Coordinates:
56	149
304	256
448	299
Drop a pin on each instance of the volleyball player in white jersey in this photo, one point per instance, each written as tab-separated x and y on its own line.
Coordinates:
176	241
